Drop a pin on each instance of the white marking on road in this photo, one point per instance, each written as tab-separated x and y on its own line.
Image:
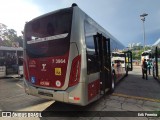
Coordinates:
19	85
38	107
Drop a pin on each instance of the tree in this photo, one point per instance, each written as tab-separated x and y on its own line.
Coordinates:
9	36
3	30
136	54
19	39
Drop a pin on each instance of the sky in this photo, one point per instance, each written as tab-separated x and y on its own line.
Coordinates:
121	18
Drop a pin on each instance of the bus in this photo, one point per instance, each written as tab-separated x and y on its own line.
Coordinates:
11	63
119	57
121	61
67	57
146	55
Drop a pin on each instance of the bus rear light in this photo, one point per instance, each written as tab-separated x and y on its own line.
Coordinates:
75	71
74	98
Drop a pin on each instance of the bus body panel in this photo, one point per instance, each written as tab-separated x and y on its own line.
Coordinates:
92	80
72	54
72	95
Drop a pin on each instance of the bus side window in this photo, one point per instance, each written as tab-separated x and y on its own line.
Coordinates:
92	58
92	64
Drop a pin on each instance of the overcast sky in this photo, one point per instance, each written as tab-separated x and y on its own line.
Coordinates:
121	18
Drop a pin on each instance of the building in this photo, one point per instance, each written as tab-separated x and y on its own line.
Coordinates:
135	46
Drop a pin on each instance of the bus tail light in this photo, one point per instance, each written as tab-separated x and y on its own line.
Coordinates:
74	98
75	71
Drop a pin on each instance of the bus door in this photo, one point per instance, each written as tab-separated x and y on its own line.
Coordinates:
102	50
156	62
128	61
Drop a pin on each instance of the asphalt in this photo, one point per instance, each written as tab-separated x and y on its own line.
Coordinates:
134	85
133	96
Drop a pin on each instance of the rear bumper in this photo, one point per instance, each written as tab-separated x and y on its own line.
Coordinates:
62	96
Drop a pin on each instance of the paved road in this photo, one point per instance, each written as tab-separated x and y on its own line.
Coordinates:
13	97
134	85
130	95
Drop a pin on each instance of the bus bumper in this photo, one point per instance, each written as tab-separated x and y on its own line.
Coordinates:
72	95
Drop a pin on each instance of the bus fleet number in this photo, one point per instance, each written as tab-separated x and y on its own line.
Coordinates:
58	61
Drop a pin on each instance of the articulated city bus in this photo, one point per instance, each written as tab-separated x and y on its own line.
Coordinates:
67	57
11	63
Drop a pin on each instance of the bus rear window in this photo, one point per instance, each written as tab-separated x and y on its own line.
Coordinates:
49	35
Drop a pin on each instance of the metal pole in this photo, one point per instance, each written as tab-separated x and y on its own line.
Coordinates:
16	56
144	35
143	19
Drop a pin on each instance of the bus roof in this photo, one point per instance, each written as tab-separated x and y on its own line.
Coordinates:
148	51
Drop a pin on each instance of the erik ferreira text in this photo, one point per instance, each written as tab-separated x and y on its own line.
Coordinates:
147	115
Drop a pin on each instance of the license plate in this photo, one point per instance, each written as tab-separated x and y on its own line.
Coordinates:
44	83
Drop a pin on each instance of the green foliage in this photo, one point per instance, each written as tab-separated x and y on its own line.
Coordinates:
137	51
9	36
136	54
6	43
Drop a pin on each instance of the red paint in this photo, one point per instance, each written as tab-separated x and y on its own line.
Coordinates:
93	89
43	69
76	98
75	71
